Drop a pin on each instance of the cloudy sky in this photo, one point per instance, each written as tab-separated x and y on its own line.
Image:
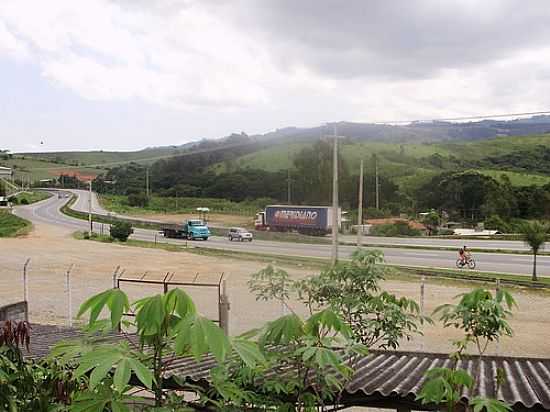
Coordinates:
127	74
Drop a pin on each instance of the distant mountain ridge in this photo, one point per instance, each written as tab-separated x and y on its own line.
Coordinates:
416	132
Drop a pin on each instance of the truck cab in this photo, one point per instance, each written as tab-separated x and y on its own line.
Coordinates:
259	221
196	229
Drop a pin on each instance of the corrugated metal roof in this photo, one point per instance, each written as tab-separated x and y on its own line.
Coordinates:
384	376
399	376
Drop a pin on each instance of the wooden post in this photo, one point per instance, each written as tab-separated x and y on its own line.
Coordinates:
422	297
25	284
360	208
224	309
69	295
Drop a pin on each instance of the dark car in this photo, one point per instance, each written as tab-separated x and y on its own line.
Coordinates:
238	233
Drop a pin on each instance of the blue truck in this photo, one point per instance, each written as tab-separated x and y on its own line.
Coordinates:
191	229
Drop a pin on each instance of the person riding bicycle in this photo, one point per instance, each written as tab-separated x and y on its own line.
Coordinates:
463	255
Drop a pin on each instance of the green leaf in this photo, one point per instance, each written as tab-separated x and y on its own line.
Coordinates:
118	303
489	405
117	406
176	300
115	299
100	372
249	352
283	330
214	337
144	374
95	305
150	316
122	375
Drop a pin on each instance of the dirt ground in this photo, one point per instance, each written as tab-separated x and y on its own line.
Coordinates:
53	251
214	219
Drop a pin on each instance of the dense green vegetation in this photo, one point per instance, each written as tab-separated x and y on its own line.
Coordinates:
452	178
120	204
11	225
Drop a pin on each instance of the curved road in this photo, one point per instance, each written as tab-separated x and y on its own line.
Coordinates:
48	211
81	205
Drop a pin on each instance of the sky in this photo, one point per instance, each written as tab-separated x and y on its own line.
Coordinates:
129	74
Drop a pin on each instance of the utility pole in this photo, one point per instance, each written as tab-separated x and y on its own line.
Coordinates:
288	186
376	183
90	210
360	208
147	182
334	255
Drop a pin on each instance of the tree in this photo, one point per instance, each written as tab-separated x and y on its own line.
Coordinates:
432	221
168	326
138	199
482	317
534	235
351	289
121	231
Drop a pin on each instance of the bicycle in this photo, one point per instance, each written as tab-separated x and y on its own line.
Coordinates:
467	261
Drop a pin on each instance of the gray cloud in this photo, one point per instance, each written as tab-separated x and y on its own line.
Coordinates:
395	39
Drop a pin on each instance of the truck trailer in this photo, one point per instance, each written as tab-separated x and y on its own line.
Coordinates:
308	220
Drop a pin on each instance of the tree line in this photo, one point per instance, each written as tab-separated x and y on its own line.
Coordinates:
461	193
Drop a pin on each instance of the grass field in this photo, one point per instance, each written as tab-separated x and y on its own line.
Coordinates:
40	169
118	204
100	157
31	197
518	179
401	161
11	225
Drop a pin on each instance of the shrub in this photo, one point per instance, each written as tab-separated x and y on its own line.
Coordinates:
399	228
138	200
121	231
24	201
373	213
495	222
13	200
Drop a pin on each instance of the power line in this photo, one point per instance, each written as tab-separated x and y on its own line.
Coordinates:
474	117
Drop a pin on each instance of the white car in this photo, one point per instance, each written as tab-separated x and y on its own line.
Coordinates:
238	233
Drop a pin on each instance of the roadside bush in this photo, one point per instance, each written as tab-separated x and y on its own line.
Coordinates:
24	201
373	213
138	200
400	228
495	222
121	231
13	200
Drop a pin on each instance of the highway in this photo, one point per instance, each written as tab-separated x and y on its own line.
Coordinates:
81	205
48	212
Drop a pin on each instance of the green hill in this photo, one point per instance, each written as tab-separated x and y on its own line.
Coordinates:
410	164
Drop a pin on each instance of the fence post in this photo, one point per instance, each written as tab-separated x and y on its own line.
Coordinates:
115	273
69	295
25	284
224	309
422	298
497	346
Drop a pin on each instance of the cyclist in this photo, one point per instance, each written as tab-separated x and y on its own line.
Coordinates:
462	255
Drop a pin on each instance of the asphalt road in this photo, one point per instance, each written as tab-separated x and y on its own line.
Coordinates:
47	211
81	205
